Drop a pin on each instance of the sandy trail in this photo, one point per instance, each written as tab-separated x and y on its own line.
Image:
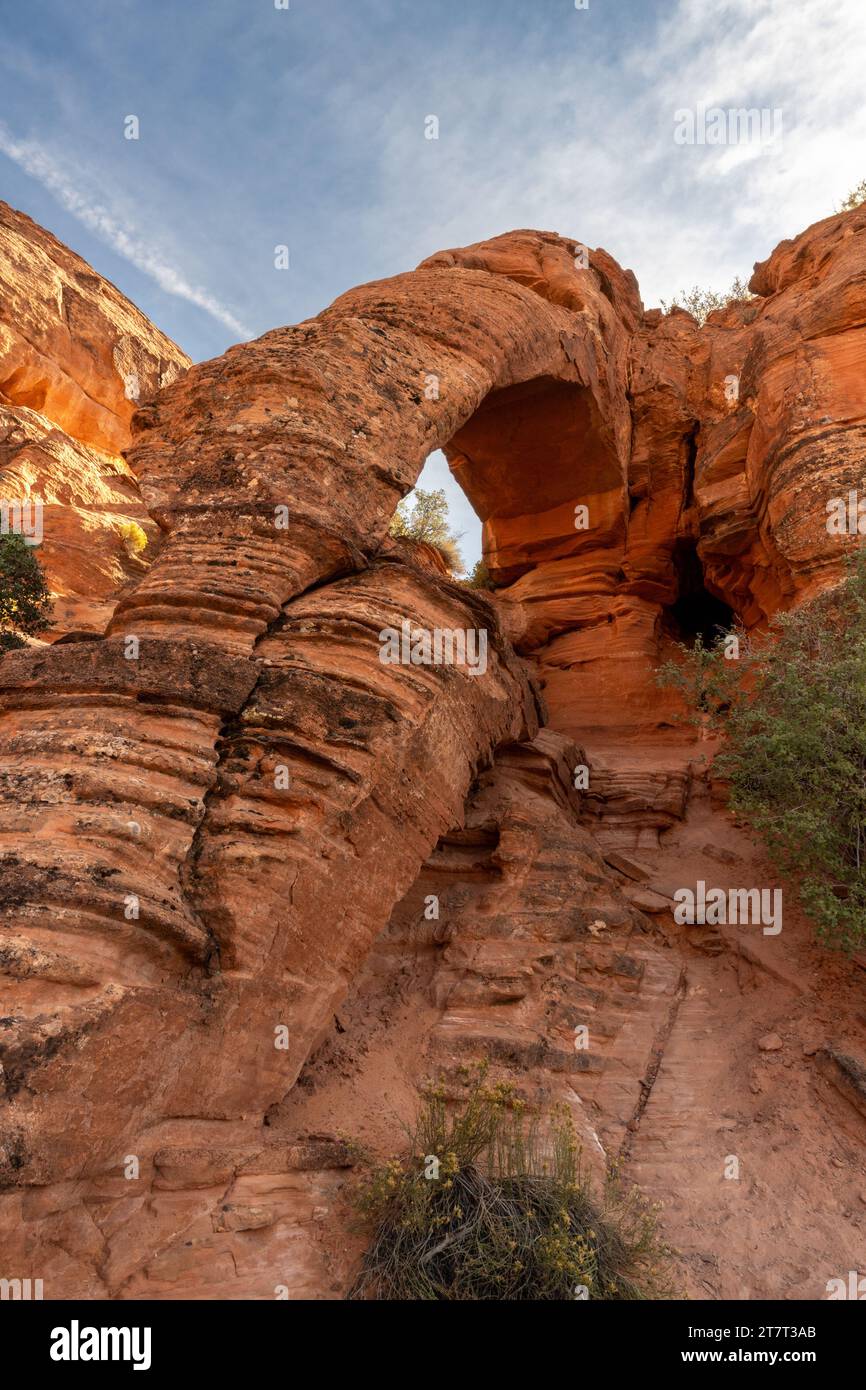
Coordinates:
795	1217
714	1102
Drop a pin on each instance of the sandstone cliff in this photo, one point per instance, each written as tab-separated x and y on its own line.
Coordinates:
75	358
221	820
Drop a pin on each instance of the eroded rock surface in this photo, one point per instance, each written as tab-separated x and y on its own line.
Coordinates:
221	822
72	347
75	358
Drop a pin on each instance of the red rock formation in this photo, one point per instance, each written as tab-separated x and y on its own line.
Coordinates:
72	347
219	823
75	358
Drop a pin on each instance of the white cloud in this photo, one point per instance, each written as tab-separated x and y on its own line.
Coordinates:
35	160
583	145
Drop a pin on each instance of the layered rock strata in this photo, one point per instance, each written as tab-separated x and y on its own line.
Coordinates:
75	359
219	817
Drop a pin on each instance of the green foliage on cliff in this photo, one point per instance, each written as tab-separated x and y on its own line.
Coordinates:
427	520
792	709
25	603
479	577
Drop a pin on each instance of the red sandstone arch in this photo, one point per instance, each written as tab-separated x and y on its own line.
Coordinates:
257	647
165	878
335	417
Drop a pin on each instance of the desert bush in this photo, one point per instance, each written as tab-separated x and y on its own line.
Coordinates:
25	601
855	198
792	709
134	536
482	1208
427	520
700	302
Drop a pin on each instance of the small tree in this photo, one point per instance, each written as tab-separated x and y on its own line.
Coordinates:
25	602
793	712
700	302
479	577
427	520
855	198
699	678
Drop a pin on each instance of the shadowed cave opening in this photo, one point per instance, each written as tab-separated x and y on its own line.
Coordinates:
524	459
695	612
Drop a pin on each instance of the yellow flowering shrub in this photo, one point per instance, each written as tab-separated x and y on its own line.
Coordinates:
485	1207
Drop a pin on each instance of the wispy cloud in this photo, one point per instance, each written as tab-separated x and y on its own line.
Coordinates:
36	161
550	117
583	144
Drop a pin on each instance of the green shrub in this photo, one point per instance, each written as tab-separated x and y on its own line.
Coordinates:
702	679
792	709
427	520
25	601
479	577
506	1217
700	302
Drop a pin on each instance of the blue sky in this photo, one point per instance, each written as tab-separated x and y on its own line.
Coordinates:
305	127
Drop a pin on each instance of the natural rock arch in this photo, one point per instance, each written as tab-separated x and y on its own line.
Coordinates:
165	906
215	669
335	417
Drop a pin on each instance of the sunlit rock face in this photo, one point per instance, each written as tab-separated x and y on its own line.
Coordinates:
88	508
75	358
72	347
218	819
737	435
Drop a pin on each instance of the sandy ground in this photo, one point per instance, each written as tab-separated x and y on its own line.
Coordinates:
792	1213
795	1217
